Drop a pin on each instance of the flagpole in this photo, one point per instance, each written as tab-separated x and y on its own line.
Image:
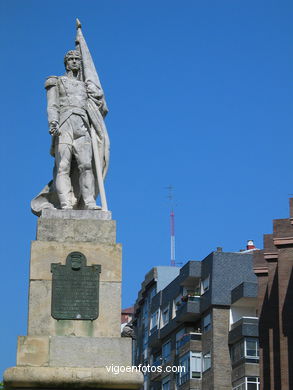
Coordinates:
88	61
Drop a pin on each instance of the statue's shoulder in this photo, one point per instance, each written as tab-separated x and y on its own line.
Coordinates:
51	81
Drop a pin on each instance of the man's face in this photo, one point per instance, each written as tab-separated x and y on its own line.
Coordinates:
73	62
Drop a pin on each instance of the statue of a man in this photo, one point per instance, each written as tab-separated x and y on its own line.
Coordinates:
76	108
69	125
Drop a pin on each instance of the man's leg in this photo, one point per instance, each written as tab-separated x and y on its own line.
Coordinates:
82	149
63	154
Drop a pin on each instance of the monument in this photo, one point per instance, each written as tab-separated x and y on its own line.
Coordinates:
74	314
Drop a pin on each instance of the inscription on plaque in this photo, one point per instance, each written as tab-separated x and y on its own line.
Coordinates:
75	289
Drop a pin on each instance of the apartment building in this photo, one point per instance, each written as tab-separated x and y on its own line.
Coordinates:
273	267
203	320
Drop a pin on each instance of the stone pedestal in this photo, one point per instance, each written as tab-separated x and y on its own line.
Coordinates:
74	353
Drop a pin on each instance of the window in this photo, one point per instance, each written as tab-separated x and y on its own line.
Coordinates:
251	349
191	367
145	337
179	336
166	383
145	310
246	348
176	305
184	291
206	361
145	313
237	351
183	375
207	323
145	382
146	321
252	383
165	316
205	284
157	361
166	351
248	383
145	344
177	302
152	294
195	365
154	319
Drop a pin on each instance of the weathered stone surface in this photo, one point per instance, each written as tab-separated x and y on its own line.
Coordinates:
88	230
108	323
39	316
71	351
33	351
43	253
77	214
41	323
86	351
66	377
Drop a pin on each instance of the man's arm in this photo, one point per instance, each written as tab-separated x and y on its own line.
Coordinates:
53	104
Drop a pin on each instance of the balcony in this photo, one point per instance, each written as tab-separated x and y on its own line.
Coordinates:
190	274
157	362
245	327
186	339
153	330
244	293
189	310
155	374
154	337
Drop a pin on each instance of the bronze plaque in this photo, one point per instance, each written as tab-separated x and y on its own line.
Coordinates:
75	289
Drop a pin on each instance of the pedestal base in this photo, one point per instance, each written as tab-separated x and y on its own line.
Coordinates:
77	362
70	377
66	353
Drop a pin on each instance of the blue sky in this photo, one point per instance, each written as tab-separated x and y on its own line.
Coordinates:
200	97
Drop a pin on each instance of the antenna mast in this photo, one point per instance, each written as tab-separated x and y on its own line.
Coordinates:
170	188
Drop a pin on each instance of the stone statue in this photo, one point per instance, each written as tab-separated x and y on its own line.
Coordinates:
76	109
128	331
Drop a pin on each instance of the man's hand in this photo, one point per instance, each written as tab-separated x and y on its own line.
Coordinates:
54	128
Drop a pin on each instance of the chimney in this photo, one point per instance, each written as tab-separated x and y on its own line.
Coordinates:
250	245
219	249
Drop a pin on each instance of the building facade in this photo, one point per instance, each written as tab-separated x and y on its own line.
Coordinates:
273	266
205	321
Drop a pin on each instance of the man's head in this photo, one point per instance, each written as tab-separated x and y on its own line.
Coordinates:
72	60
